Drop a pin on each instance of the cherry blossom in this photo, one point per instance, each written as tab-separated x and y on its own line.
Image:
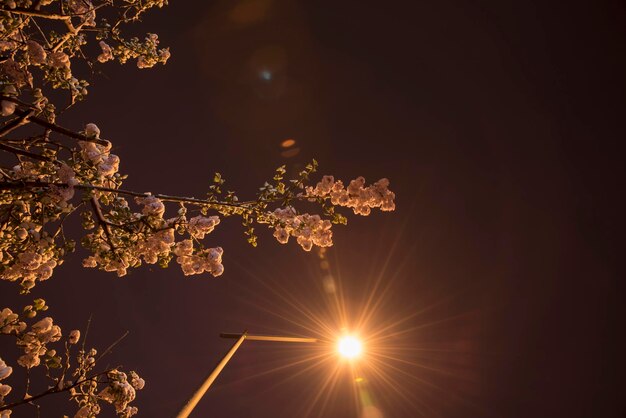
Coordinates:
58	172
74	336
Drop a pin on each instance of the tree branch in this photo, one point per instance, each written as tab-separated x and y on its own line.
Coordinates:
166	198
51	391
56	128
24	152
16	123
103	222
110	348
35	13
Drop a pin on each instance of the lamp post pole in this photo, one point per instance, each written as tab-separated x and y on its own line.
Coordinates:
195	398
199	393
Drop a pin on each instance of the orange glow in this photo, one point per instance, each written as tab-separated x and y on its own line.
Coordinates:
288	143
288	153
349	347
250	11
390	367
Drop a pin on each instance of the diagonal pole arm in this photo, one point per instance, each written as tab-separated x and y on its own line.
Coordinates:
273	338
193	401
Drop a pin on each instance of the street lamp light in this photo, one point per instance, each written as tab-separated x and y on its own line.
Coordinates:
195	398
349	347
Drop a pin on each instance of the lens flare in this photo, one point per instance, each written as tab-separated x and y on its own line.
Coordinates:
415	357
349	347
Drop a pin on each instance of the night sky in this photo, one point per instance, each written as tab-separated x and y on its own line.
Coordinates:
499	277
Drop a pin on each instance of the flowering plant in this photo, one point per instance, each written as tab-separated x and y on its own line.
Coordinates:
86	387
49	172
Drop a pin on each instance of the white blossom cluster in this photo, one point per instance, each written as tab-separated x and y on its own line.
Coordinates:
106	163
107	52
57	194
31	266
74	336
26	47
84	10
7	107
146	53
118	265
356	196
88	388
85	393
34	342
121	391
26	170
152	206
308	229
28	252
200	225
155	246
156	242
149	250
199	261
10	322
151	55
5	371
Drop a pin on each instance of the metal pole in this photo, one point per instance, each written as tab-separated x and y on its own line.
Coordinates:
193	401
274	338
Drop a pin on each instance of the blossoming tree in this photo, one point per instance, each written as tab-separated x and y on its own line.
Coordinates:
49	172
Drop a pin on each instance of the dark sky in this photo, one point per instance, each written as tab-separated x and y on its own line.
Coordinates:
499	125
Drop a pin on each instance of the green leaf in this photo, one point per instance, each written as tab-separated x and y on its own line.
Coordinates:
39	303
338	218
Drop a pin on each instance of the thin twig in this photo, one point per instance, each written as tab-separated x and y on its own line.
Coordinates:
52	391
103	222
110	348
16	123
24	152
166	198
35	13
87	331
56	128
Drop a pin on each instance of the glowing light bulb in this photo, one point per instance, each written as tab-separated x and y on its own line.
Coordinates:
349	347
